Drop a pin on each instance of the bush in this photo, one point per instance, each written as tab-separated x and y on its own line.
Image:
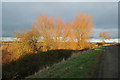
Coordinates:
29	64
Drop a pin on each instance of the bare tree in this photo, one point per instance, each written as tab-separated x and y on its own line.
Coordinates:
83	27
104	36
55	33
51	30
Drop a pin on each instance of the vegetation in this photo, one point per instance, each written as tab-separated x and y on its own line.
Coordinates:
52	33
84	66
49	41
31	63
104	36
9	50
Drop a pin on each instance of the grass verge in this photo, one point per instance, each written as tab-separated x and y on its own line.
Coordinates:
83	66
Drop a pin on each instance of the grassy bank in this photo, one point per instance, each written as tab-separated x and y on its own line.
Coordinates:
84	66
31	63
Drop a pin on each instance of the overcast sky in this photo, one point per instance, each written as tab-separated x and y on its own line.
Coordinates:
18	16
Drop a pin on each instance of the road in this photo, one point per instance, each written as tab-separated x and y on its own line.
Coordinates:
109	63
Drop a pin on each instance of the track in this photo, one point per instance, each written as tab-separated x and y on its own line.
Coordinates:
109	63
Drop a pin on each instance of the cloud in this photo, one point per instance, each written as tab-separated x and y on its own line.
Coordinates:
20	15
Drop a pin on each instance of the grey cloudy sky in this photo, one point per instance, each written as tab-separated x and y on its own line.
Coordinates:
18	16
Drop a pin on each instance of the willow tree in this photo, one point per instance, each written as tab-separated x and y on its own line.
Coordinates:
82	27
26	43
51	30
104	36
69	36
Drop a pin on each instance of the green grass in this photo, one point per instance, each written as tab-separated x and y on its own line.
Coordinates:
84	66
